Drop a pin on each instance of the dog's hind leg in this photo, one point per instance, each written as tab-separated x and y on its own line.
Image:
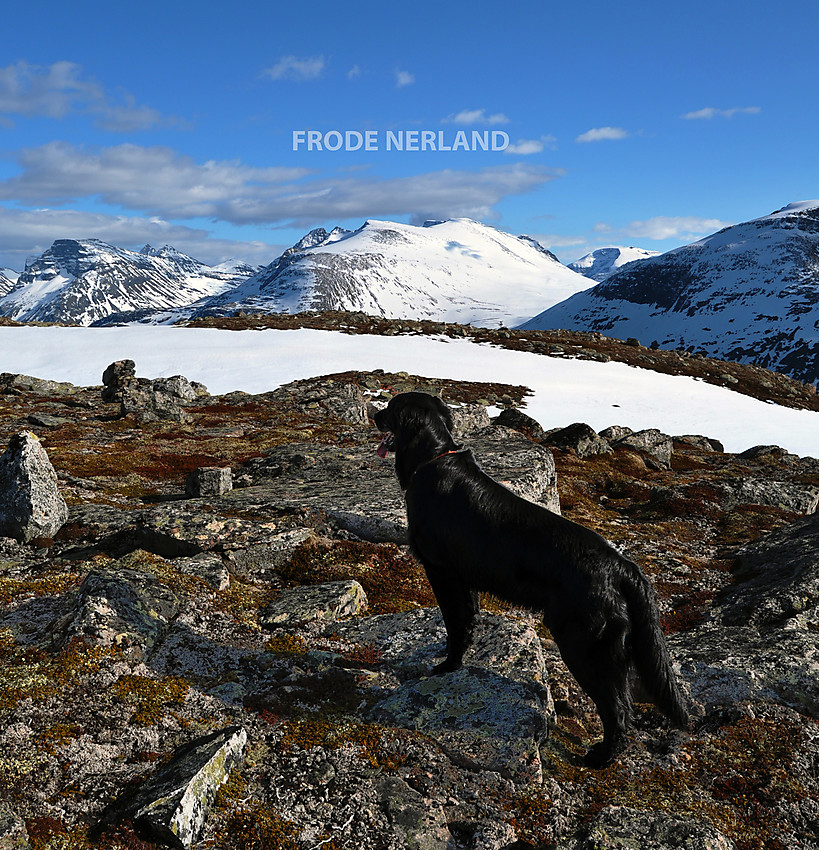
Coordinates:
459	605
602	670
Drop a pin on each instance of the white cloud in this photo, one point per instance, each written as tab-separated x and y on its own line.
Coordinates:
673	227
354	73
294	68
26	233
476	116
603	134
710	112
59	89
525	147
404	78
59	174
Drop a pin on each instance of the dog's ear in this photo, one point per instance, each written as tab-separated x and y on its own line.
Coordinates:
445	412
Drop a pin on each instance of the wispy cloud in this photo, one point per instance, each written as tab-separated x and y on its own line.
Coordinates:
60	89
475	116
26	233
295	68
354	73
673	227
60	173
603	134
526	147
710	112
404	78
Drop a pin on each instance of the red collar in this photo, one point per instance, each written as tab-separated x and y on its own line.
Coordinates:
433	459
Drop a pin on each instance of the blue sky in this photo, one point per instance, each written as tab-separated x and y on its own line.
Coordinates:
629	123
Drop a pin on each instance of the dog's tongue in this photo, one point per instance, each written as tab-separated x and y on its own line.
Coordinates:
384	445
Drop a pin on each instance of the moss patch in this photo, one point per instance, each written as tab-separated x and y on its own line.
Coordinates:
392	579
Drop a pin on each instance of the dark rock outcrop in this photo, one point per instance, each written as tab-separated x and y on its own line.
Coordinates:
30	502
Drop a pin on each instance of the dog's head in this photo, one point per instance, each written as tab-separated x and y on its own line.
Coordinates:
406	415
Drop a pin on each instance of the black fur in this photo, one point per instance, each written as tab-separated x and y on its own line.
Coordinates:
474	535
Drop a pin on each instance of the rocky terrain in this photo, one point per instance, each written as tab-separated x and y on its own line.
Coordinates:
222	641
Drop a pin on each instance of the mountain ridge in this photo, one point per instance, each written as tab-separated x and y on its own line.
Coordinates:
454	270
81	281
749	292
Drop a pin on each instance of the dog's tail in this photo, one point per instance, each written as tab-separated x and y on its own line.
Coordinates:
649	651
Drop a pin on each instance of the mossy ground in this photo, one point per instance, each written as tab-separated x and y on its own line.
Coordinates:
735	776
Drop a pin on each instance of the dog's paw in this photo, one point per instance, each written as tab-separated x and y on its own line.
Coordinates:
602	754
446	666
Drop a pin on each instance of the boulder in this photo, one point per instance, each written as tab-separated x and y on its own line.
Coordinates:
120	605
513	418
209	481
656	444
580	437
172	807
492	714
759	641
30	502
116	377
788	495
300	606
616	432
468	418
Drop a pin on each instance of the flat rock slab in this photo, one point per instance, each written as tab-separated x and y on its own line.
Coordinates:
300	606
491	714
120	605
172	807
624	828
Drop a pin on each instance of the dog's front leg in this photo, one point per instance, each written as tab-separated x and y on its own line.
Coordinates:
459	605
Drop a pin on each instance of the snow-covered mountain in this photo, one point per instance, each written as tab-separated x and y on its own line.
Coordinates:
458	270
748	293
82	281
8	277
604	262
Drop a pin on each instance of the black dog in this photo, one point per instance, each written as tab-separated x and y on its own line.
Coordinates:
474	535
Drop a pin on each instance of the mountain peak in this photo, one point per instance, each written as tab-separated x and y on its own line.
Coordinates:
749	292
455	270
604	262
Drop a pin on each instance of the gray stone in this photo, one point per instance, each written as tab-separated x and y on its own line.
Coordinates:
172	806
46	420
142	403
468	418
491	714
493	836
517	420
299	606
30	502
207	566
122	606
15	384
582	438
653	442
616	432
789	495
13	834
526	468
209	481
116	376
705	444
416	824
759	641
624	828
